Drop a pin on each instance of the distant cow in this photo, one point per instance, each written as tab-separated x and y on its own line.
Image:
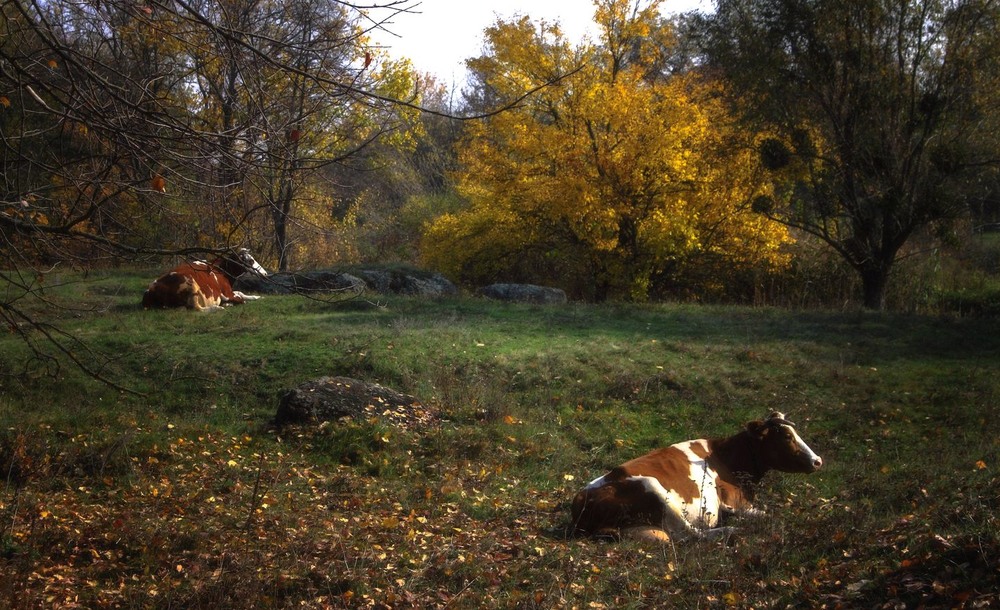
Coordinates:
681	491
201	285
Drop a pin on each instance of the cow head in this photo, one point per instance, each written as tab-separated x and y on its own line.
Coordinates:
780	447
249	262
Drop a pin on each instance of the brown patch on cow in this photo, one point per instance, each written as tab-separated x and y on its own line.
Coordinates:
737	468
171	290
700	449
669	465
731	496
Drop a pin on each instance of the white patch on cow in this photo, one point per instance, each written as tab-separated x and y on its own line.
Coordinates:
251	263
810	455
598	482
676	518
702	511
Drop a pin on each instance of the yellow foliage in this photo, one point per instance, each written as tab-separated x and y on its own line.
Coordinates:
608	174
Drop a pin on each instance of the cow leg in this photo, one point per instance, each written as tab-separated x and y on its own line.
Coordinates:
716	533
647	533
245	297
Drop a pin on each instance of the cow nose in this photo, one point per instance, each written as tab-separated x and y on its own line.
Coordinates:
817	462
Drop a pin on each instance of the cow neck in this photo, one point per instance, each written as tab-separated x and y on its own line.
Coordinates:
738	456
227	267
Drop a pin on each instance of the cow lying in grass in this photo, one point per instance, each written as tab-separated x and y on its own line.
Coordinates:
681	491
201	285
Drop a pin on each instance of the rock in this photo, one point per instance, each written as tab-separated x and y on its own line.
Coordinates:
408	281
299	283
334	398
524	293
384	281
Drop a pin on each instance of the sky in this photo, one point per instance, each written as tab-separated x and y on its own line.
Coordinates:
438	35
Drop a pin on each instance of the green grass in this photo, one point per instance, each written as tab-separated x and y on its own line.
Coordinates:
176	493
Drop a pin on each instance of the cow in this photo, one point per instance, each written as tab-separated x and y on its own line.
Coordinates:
202	285
682	491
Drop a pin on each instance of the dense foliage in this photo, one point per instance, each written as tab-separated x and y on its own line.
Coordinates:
617	181
882	114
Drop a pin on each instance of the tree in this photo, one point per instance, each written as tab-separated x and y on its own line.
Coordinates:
604	184
874	111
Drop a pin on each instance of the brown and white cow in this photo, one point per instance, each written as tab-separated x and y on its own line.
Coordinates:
201	285
682	490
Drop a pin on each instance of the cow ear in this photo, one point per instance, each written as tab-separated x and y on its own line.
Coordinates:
757	428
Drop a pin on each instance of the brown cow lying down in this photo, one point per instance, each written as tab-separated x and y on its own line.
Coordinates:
681	491
201	285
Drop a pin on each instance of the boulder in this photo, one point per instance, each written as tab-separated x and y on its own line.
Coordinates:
408	281
524	293
299	283
383	281
335	398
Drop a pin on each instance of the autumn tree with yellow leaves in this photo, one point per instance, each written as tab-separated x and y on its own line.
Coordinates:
618	181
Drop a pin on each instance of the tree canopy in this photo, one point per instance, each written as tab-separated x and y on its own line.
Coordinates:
617	181
881	115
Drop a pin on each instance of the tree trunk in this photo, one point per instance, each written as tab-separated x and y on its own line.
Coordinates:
875	283
279	214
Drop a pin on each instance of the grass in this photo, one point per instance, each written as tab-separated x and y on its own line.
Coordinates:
183	496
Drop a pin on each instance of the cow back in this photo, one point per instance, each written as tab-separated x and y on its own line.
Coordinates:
214	284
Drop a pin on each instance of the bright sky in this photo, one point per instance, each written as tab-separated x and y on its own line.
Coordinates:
439	35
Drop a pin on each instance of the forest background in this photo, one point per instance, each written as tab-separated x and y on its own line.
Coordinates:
788	153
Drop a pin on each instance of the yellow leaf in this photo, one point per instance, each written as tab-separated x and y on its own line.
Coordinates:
980	465
53	64
731	599
4	101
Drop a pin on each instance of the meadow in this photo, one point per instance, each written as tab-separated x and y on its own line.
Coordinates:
169	488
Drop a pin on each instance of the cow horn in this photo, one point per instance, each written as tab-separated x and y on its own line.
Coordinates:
777	418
